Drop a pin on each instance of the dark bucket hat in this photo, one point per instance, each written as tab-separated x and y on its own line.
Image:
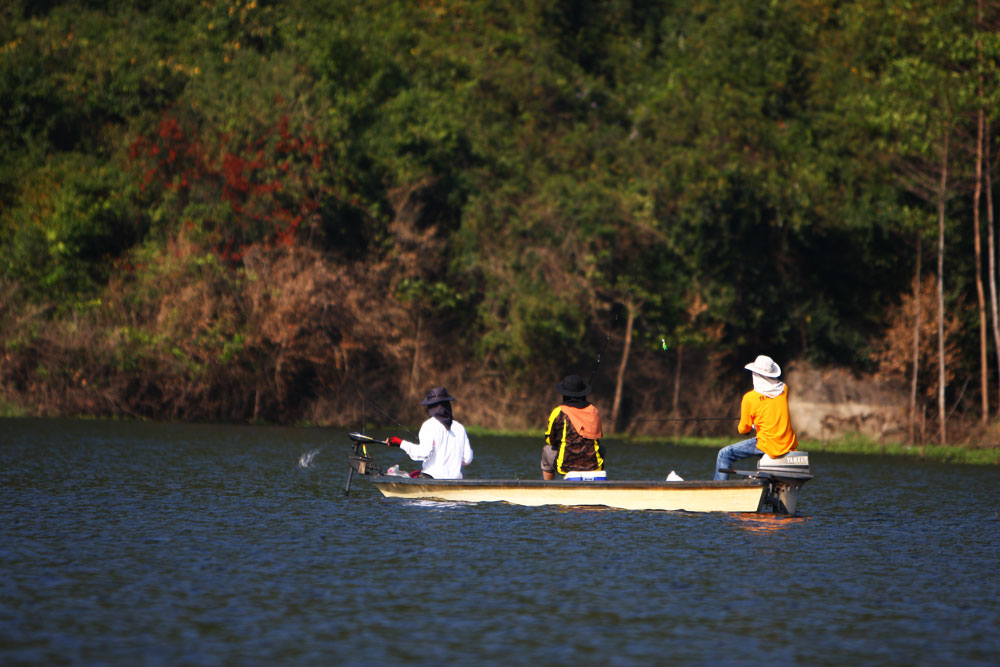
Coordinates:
573	385
436	395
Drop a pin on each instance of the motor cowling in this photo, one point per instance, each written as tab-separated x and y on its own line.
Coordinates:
793	465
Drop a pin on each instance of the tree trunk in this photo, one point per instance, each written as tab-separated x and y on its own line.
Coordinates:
980	291
977	242
942	191
923	431
916	341
990	238
620	380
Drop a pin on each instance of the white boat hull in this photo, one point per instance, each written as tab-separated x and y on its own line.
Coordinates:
740	495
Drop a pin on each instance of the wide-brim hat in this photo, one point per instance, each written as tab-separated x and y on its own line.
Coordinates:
764	365
573	385
436	395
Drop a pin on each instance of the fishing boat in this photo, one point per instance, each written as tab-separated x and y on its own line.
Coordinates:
773	487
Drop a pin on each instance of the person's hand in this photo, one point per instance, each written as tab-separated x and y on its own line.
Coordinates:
393	441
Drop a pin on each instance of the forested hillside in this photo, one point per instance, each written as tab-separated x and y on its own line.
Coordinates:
265	211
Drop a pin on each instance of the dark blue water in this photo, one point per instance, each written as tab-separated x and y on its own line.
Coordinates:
155	544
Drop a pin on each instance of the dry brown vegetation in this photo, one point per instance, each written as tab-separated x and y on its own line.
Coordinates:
329	342
893	353
317	340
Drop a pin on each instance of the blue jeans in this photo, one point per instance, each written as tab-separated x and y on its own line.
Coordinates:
740	450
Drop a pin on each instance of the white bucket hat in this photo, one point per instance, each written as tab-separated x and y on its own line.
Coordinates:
764	365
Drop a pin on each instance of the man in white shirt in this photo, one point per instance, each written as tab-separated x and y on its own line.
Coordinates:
444	445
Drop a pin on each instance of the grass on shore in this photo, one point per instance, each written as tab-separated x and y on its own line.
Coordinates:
8	409
849	444
856	444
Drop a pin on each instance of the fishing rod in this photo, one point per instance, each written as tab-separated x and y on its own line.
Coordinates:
365	399
618	312
359	458
693	419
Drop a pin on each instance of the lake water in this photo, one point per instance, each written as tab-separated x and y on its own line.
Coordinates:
150	544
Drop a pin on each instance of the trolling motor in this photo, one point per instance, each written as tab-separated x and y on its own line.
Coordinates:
359	459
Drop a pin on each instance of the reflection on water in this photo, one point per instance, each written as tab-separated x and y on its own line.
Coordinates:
201	545
433	504
764	523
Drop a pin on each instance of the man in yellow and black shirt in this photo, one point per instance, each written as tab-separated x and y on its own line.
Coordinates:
572	439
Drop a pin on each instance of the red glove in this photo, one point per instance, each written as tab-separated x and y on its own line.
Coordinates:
393	441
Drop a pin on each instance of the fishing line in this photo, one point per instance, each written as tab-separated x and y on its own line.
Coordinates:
365	399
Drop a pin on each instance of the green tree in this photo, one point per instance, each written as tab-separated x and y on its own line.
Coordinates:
916	101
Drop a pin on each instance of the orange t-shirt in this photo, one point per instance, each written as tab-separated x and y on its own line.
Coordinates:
770	417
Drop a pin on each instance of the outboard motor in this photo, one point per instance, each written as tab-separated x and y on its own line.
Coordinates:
786	474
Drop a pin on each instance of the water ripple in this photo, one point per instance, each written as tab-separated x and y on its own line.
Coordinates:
178	544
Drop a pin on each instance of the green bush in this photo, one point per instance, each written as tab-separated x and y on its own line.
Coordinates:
71	220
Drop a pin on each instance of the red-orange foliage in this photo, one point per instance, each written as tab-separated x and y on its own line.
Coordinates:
259	188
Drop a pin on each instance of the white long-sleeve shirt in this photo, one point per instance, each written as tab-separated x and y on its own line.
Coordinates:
443	451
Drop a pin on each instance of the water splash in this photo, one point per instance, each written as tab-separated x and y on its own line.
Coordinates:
306	460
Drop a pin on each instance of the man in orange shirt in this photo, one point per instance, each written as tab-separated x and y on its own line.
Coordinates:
765	410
